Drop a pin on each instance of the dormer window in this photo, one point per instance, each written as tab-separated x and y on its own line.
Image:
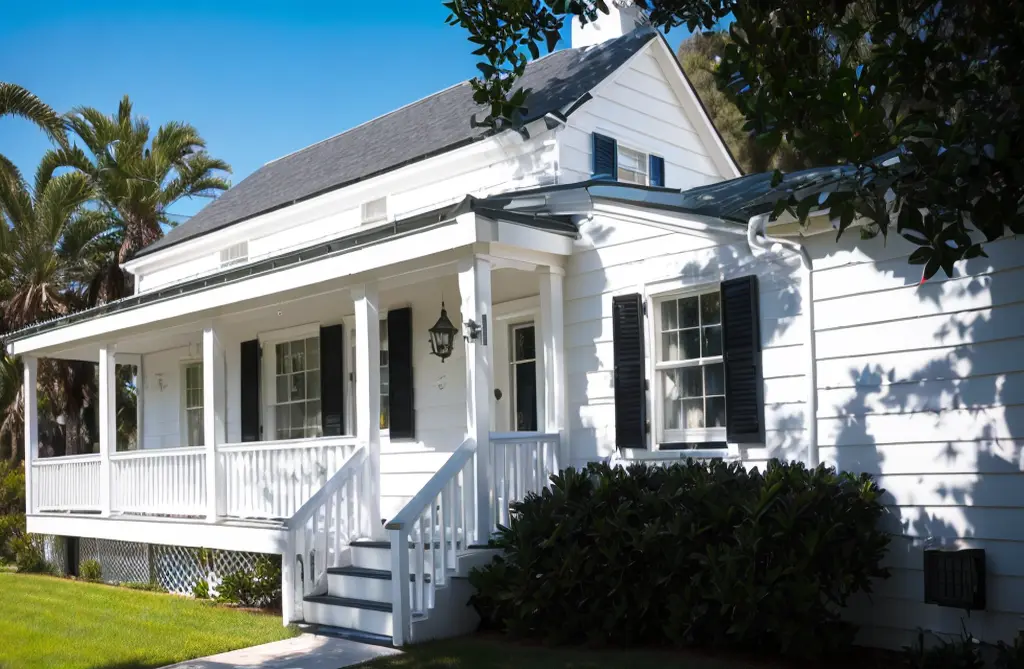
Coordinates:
615	162
236	254
374	211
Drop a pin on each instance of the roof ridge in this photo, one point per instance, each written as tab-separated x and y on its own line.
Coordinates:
406	106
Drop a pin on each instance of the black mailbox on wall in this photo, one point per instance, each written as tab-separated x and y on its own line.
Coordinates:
955	578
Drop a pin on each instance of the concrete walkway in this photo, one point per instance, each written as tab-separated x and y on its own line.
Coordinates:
307	651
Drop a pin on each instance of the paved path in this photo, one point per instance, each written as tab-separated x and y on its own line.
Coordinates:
307	651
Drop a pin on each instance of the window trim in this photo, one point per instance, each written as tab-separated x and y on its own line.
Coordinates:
351	408
645	162
183	408
705	440
268	377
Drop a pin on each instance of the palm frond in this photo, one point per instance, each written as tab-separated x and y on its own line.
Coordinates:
18	101
56	205
54	159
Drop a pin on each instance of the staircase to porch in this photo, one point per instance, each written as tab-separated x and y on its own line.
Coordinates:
408	583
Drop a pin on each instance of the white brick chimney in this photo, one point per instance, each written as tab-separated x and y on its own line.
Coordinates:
622	18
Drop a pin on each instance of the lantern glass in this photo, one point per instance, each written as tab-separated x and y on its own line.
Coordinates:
442	336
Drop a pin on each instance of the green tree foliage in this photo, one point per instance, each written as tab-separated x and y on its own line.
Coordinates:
936	84
699	55
17	101
137	178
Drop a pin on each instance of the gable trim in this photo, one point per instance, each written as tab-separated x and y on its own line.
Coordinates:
694	108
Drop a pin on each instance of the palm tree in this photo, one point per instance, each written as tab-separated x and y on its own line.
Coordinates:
51	246
138	178
12	423
17	101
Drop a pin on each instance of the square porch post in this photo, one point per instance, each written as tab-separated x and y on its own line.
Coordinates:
475	291
214	423
107	420
29	391
368	403
551	346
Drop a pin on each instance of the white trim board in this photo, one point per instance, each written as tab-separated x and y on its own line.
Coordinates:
197	533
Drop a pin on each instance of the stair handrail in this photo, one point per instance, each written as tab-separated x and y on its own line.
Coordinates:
444	495
351	471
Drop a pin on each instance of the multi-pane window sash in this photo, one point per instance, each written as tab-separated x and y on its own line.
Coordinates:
689	367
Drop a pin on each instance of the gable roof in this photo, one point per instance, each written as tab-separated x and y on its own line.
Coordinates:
434	125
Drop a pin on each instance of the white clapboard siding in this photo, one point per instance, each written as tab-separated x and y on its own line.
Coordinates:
640	109
923	387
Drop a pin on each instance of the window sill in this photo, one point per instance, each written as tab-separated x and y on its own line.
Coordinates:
662	454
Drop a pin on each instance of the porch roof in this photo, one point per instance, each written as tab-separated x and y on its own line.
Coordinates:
559	225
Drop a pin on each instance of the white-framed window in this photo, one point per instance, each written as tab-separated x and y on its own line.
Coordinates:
689	367
633	166
192	403
373	211
236	254
294	406
385	385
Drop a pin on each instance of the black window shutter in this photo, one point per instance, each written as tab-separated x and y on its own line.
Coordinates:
403	419
630	384
250	395
606	158
657	170
332	380
741	338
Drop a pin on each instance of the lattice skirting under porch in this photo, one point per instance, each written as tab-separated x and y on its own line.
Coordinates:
175	568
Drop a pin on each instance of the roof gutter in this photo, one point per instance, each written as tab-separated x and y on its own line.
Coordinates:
758	238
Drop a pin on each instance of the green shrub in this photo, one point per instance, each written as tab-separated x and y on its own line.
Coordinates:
962	653
12	509
259	586
90	570
201	590
28	556
704	554
1011	656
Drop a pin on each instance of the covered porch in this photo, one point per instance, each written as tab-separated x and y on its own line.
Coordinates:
254	393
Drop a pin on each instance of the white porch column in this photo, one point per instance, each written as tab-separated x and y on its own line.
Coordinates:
551	346
368	401
214	421
107	419
31	425
475	291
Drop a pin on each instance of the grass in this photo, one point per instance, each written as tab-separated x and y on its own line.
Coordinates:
51	622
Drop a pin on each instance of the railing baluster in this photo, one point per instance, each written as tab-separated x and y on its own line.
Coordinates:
434	561
447	531
418	559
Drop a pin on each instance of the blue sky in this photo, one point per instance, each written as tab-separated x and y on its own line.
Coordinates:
258	79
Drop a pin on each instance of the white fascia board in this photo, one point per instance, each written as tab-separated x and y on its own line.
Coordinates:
666	219
523	237
195	533
499	147
675	77
410	246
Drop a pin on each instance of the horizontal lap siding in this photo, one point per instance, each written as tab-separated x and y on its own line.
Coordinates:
613	258
640	110
923	387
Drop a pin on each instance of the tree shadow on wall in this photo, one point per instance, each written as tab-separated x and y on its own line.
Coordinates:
930	405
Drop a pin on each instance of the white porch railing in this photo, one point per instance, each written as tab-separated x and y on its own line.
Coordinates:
436	521
521	462
69	483
165	481
272	479
320	530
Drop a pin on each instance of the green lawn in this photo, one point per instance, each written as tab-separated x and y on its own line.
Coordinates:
47	622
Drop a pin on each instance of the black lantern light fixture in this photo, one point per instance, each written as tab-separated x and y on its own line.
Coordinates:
442	335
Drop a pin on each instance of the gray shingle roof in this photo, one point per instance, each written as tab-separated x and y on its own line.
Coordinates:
431	126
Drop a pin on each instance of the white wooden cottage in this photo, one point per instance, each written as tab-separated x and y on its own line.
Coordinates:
616	295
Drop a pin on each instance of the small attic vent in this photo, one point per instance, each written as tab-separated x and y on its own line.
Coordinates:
236	254
375	210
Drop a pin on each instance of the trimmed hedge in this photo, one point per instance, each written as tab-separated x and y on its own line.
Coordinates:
696	554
